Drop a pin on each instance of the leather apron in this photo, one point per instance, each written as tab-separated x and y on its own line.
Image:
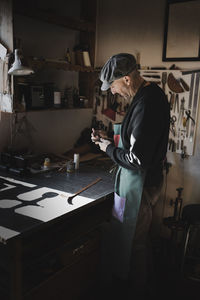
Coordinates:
128	194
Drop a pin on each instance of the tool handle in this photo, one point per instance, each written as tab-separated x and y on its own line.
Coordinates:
87	186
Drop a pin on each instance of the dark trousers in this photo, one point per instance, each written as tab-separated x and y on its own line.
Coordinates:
142	277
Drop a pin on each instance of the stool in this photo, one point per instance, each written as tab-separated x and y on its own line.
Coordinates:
191	244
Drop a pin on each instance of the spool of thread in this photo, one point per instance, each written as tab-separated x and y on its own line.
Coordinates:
76	160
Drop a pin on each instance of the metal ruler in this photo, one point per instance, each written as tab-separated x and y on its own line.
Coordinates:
191	91
195	103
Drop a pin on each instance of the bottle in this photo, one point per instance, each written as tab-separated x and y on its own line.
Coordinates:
57	98
76	160
68	56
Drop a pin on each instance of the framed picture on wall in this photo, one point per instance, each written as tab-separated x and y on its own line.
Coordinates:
182	31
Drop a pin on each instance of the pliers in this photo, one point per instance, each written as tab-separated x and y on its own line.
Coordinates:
185	120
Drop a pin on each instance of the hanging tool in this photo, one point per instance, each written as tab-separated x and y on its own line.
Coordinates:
171	101
172	145
184	153
172	122
190	71
184	84
152	76
164	80
174	84
176	104
188	114
151	72
181	112
70	198
191	91
195	102
186	121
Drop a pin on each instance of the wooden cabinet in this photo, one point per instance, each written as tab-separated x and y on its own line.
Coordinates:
84	26
58	260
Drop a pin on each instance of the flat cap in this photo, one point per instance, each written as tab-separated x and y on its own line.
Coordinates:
117	66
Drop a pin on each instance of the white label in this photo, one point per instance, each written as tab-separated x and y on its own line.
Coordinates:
57	98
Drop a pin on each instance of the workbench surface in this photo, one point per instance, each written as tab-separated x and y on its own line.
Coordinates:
24	204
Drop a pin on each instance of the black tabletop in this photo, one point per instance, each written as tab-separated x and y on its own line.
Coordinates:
27	202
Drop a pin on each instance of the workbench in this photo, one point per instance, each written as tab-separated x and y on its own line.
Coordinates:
50	249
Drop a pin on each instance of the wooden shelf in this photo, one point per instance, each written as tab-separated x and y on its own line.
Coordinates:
45	16
52	109
58	64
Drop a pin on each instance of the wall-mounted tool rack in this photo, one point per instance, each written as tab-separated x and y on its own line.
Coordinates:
182	91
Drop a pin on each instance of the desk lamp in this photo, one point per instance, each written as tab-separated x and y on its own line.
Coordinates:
17	68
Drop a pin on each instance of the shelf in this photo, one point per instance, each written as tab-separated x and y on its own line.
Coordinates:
58	64
53	109
45	16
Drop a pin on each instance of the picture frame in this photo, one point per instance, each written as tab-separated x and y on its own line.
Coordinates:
182	31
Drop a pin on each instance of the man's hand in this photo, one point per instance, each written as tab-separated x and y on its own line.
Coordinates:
97	134
103	144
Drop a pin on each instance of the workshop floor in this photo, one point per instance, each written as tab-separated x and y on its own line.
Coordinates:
169	284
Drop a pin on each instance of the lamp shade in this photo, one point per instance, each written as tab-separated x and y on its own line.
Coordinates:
17	68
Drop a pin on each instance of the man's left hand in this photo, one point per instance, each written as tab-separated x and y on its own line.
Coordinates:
103	144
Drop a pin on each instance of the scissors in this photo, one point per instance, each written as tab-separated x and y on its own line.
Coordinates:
188	114
173	120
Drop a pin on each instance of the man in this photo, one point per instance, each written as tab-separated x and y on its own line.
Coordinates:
139	151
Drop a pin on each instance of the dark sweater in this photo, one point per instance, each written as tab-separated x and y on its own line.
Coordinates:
145	131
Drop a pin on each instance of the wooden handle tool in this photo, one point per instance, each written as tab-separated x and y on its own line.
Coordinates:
69	199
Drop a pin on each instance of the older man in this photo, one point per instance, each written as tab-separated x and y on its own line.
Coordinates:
139	150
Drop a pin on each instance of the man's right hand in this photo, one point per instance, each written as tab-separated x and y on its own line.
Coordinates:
96	135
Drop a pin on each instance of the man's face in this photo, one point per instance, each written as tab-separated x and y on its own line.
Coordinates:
120	86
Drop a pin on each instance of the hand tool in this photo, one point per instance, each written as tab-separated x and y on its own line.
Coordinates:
190	71
172	128
191	91
95	135
176	103
181	112
164	80
186	121
70	198
184	84
188	114
151	72
171	101
195	102
172	145
174	84
151	76
184	153
177	145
